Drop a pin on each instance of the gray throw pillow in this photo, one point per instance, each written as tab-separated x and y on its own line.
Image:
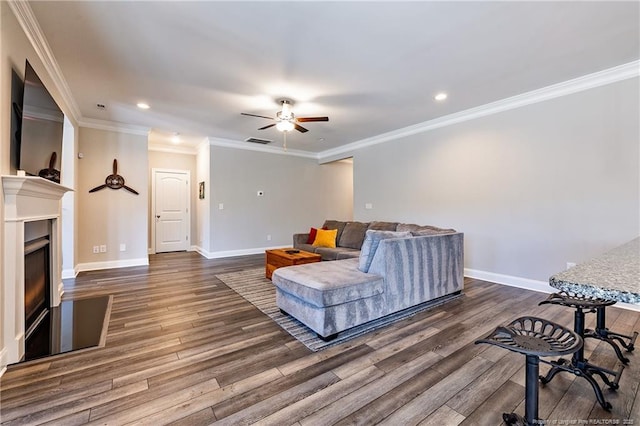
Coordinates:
370	245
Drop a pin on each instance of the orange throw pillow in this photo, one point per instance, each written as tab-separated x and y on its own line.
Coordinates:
326	238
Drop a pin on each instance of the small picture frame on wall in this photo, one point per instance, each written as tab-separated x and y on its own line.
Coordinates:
201	190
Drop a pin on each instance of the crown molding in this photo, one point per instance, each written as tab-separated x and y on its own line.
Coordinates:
27	20
589	81
114	127
173	149
247	146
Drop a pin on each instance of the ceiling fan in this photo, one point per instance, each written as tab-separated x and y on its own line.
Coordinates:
285	120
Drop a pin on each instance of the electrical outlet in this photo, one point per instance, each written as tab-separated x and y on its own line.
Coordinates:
268	237
368	206
103	248
123	247
220	206
96	249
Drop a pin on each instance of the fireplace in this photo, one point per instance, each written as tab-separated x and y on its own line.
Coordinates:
28	202
37	275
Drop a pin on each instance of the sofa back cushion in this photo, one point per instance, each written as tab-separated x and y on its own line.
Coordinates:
383	226
353	235
335	224
407	227
418	230
432	230
370	245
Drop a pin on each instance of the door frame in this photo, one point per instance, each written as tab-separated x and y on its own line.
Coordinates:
152	209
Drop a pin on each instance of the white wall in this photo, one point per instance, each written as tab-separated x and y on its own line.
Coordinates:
298	193
68	179
532	188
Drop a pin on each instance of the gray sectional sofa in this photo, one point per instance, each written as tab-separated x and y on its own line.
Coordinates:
393	271
351	235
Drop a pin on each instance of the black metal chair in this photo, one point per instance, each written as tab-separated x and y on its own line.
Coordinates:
579	365
535	338
601	332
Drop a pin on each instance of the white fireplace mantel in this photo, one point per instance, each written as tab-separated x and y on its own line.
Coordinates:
26	199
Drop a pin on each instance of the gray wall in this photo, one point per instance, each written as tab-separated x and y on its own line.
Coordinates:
298	193
532	188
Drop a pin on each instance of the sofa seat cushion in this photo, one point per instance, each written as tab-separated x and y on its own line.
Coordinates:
336	253
328	283
306	247
347	253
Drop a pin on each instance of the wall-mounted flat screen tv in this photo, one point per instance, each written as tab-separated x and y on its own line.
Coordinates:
40	131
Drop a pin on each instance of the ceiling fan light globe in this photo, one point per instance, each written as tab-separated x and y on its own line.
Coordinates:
285	126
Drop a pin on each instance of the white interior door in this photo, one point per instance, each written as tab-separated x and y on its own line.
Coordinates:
171	210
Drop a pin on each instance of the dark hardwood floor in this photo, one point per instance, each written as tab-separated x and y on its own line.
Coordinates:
182	348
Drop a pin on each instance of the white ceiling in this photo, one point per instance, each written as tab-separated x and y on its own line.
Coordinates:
372	67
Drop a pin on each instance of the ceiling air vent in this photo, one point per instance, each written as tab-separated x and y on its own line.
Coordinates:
260	141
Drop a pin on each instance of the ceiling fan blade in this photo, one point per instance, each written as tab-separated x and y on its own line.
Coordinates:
254	115
300	128
266	127
305	119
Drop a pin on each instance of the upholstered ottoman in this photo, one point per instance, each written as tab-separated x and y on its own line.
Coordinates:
329	297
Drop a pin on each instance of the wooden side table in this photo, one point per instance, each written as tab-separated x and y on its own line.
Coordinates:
278	258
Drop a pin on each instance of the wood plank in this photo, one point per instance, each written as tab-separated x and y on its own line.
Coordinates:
182	348
431	399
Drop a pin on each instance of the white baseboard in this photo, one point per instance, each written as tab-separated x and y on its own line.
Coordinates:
540	286
112	264
3	361
69	273
232	253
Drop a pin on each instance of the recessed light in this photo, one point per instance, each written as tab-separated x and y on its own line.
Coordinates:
143	105
440	96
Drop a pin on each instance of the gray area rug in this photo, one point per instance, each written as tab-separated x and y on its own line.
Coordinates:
252	285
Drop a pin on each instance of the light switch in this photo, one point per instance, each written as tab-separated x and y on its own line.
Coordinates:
220	206
368	206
